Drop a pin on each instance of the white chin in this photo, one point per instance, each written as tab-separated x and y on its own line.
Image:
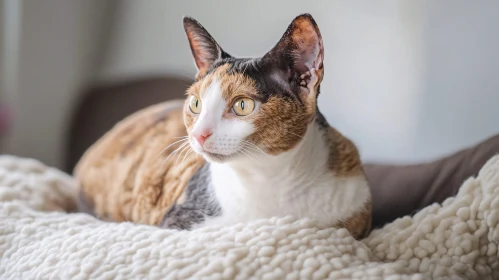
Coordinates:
196	147
213	155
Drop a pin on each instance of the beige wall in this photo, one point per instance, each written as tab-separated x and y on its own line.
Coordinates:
59	52
460	94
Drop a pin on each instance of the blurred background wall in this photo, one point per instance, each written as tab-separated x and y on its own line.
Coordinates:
59	49
406	80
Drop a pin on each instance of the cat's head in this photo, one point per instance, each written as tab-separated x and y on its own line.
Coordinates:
240	107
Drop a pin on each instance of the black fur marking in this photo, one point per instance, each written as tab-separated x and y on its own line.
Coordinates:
268	73
321	121
200	203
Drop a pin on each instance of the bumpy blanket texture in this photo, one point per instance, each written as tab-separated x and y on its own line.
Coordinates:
39	239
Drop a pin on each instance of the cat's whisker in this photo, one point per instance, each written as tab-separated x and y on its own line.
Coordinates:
186	148
246	153
183	75
162	151
174	152
186	154
296	135
179	154
255	148
256	151
250	154
257	157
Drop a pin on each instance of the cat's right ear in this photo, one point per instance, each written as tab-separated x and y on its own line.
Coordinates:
205	49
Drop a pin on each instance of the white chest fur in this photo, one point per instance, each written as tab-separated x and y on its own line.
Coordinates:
296	183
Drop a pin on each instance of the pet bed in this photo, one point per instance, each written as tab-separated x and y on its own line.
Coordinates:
40	239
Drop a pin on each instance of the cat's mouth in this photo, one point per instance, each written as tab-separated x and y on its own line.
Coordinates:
213	154
218	158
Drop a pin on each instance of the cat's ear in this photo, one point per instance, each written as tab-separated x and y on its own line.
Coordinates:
205	49
300	53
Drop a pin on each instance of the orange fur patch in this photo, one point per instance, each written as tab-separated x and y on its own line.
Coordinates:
344	158
344	161
359	224
129	176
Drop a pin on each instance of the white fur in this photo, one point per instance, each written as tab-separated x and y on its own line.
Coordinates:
297	183
227	134
256	185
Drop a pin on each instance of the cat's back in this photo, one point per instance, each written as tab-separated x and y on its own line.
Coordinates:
133	173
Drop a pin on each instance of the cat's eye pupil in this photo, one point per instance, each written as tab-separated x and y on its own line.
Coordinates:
195	105
239	108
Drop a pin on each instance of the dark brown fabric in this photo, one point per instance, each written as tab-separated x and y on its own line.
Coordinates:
397	190
400	190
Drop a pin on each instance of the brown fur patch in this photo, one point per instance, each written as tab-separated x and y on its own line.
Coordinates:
359	224
292	123
344	161
344	158
129	176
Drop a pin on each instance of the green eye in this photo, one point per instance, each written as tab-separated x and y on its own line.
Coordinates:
195	105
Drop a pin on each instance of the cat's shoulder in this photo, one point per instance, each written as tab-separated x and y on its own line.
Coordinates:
344	158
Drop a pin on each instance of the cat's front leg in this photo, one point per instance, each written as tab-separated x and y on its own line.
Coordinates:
181	217
212	221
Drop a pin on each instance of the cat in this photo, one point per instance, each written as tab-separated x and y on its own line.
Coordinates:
249	142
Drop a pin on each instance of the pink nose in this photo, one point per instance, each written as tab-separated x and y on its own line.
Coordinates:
202	137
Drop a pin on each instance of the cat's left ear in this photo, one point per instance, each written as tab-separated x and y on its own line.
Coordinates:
299	55
205	49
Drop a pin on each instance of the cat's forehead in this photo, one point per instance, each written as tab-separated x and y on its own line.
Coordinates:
244	76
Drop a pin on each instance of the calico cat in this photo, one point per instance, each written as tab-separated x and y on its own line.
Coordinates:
249	142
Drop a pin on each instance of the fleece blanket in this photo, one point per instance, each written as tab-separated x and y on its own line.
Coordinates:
41	239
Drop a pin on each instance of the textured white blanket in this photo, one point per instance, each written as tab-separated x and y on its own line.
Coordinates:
39	240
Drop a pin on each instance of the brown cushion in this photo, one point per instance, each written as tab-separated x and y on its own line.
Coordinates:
400	190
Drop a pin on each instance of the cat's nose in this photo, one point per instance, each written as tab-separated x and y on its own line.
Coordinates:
201	138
